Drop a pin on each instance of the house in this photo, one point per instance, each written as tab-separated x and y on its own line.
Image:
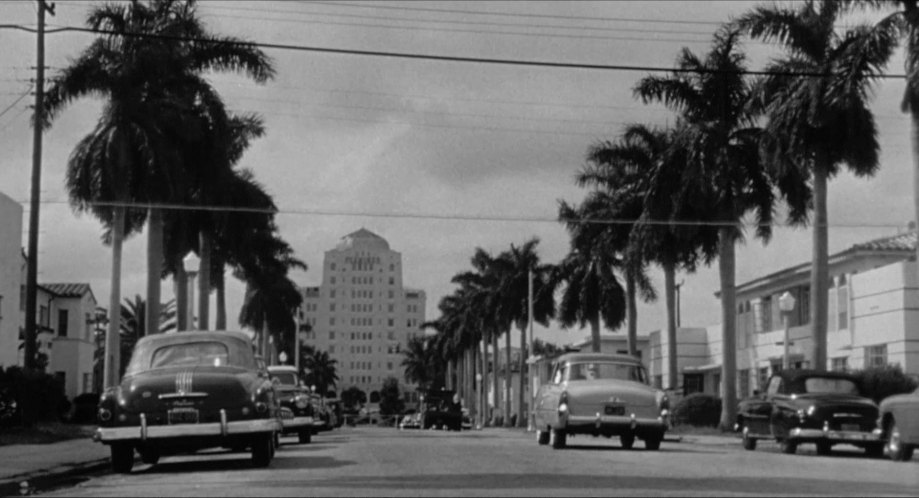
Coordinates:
873	320
10	278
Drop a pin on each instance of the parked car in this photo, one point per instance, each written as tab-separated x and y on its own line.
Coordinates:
296	409
807	406
899	424
600	395
323	416
188	391
441	410
467	420
411	419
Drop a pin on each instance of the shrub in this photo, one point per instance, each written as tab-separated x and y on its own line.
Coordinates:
39	396
698	409
880	382
84	408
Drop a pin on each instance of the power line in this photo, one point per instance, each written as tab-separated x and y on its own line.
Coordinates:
24	95
447	58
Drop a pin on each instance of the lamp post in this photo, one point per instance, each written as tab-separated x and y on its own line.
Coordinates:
191	262
786	306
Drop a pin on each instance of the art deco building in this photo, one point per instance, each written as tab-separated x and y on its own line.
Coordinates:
361	314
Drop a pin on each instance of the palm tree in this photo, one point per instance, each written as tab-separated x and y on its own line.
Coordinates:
418	362
148	82
820	120
722	167
323	372
591	290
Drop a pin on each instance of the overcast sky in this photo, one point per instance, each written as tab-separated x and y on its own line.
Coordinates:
437	157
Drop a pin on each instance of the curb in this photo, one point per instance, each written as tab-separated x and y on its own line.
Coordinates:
27	482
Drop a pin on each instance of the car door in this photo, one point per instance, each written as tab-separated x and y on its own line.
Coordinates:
547	397
778	403
757	410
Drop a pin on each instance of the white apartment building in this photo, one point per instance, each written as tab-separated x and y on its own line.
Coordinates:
361	314
873	320
10	278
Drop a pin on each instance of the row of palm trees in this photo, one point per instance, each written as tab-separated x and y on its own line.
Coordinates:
741	146
164	155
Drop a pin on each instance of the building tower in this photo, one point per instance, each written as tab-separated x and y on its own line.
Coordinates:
361	314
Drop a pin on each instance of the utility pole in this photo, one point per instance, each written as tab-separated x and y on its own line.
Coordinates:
31	349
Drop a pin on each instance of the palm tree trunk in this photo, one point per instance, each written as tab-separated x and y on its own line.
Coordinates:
181	292
521	379
448	378
460	371
220	318
726	264
154	269
507	377
112	365
632	315
819	275
482	418
914	141
496	395
670	298
204	284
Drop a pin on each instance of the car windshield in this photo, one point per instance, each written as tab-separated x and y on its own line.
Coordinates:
606	370
191	354
285	378
830	385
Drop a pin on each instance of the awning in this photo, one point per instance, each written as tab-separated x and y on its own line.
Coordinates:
702	368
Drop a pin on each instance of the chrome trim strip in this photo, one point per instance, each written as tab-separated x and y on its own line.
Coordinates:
835	435
223	422
297	422
630	421
143	427
182	395
107	434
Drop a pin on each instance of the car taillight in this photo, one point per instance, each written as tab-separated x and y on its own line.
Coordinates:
563	402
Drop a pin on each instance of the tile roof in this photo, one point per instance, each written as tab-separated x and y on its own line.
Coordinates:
900	242
67	290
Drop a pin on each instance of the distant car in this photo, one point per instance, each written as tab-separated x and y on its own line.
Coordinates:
899	424
600	395
296	409
807	406
188	391
467	420
439	411
410	420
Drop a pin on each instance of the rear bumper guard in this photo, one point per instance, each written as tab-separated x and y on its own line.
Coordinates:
145	432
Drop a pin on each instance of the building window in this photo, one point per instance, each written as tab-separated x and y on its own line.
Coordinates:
43	318
87	383
766	310
693	383
840	364
331	306
876	356
62	323
763	377
332	335
332	349
332	266
332	320
392	294
842	305
332	293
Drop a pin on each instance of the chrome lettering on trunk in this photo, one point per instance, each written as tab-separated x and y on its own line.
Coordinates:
184	382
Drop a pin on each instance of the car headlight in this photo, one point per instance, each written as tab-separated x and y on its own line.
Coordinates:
301	402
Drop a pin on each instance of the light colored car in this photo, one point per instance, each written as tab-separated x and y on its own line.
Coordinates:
899	423
600	395
410	421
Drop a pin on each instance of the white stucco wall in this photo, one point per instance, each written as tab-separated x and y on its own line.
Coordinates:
10	278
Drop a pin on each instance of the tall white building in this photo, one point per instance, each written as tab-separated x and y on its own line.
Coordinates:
361	314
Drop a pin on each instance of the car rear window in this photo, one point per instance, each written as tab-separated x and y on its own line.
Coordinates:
213	354
606	370
285	378
830	385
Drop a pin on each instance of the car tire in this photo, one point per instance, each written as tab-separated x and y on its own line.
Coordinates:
122	458
542	437
653	443
788	446
897	451
875	450
749	443
150	456
557	438
305	436
824	448
262	450
627	441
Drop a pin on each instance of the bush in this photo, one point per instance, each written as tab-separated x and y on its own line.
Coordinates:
698	409
880	382
39	396
84	408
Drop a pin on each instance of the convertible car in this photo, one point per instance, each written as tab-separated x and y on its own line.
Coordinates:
601	395
296	409
899	425
187	391
806	406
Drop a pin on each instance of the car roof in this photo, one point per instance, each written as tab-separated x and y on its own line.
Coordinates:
185	336
596	357
799	374
282	368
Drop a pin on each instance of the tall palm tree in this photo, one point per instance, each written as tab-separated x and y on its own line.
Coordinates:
323	372
722	167
592	292
418	363
820	120
149	82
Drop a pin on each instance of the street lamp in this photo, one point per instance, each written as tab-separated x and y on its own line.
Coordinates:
786	306
191	262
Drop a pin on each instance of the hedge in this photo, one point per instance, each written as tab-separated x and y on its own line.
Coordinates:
880	382
698	409
39	396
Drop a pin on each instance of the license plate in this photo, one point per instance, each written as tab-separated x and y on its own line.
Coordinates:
183	416
614	410
850	427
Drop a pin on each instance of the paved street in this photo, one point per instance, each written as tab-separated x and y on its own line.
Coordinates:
370	461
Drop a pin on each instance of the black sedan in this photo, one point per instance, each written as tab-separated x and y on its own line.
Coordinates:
806	406
188	391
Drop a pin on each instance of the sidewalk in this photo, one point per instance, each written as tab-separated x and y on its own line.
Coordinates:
24	462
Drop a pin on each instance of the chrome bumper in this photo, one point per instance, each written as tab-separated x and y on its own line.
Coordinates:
222	428
291	423
839	436
600	422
